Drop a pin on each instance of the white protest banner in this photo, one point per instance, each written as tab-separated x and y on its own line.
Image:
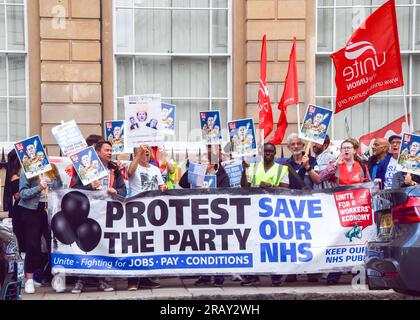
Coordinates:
69	138
211	231
143	120
32	157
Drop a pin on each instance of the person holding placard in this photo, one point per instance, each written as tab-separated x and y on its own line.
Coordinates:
113	183
301	176
388	168
301	167
142	176
32	206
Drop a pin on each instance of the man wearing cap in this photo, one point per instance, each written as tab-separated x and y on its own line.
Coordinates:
388	168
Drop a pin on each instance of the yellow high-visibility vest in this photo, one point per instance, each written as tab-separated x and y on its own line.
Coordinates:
274	176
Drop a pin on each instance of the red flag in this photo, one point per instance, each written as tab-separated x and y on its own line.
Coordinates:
290	96
264	103
371	60
396	127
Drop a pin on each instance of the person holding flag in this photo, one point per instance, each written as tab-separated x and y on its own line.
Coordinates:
290	96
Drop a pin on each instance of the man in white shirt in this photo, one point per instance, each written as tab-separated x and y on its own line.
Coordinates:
142	176
388	168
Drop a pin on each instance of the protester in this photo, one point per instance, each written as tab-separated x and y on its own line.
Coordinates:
380	150
214	167
324	155
11	197
388	167
301	176
32	207
142	176
168	169
404	180
113	184
301	167
45	271
347	170
265	174
93	139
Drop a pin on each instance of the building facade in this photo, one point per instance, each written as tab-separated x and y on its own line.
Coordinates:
76	59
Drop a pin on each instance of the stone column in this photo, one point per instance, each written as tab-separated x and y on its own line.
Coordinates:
280	20
71	71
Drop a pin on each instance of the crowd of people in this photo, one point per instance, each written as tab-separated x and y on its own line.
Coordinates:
27	199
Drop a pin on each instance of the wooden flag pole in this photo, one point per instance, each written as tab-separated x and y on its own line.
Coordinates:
308	148
298	117
45	193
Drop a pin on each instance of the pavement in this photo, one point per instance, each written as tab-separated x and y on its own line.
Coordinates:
175	288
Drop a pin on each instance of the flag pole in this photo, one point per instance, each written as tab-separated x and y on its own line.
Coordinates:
409	124
298	117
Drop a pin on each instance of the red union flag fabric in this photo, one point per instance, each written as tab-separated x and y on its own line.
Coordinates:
371	61
264	103
395	127
290	96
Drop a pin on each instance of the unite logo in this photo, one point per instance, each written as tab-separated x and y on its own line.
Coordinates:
362	70
264	91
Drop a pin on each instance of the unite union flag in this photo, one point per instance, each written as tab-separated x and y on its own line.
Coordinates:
290	96
371	60
265	113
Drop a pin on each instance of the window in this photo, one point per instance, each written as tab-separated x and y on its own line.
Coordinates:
178	48
13	55
336	21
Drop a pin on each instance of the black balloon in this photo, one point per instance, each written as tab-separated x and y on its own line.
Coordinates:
62	229
88	235
75	206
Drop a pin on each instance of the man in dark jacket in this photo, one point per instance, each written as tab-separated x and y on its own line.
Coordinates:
114	183
380	150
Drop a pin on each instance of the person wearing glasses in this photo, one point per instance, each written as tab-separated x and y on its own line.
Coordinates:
388	169
348	169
